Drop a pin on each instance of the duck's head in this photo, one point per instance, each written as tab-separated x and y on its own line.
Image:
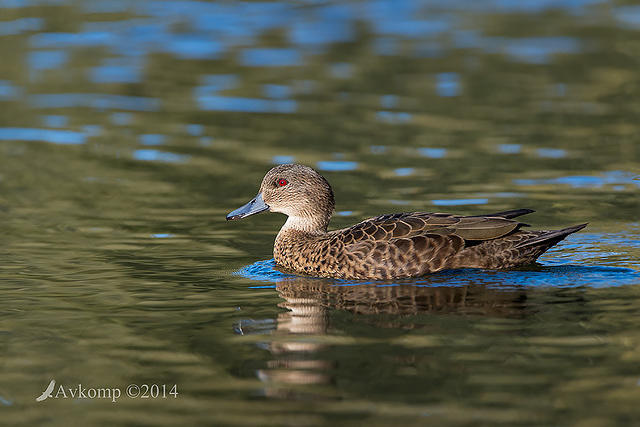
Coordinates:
297	191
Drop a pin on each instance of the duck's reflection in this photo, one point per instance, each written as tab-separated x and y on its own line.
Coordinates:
309	299
299	335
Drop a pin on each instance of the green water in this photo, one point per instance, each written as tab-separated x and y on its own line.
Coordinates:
129	129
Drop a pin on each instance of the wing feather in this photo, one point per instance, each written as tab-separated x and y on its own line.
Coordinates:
407	225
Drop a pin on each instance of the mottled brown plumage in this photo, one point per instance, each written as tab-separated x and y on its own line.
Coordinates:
391	246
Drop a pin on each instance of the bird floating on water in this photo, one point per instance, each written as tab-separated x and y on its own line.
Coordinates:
391	246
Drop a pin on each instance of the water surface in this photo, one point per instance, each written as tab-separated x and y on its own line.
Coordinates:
129	129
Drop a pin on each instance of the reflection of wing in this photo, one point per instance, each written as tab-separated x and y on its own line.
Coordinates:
47	392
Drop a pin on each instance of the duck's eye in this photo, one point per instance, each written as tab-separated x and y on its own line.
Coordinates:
282	182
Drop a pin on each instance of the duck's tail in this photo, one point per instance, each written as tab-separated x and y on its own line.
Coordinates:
514	250
550	238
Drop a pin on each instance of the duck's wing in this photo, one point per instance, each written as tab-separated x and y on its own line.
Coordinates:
386	228
412	244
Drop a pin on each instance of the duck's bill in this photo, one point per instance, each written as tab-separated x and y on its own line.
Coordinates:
255	206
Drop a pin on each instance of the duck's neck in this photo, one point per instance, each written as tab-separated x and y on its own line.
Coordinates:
308	225
296	236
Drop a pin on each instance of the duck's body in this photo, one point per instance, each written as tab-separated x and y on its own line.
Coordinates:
391	246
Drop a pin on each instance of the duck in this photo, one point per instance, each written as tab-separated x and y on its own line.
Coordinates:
391	246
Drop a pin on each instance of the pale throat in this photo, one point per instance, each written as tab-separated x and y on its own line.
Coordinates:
308	224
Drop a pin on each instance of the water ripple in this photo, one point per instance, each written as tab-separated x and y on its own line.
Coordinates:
63	137
94	100
160	156
587	181
562	276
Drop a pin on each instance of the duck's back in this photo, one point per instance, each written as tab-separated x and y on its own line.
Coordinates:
414	244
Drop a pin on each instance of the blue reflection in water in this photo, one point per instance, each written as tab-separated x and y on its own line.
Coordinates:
509	148
247	105
433	153
195	129
560	276
80	39
587	181
162	235
553	153
262	270
404	171
531	6
459	202
283	159
628	15
47	59
448	84
332	23
55	121
398	17
45	135
160	156
121	119
276	91
231	19
116	72
22	25
388	101
271	57
98	101
193	46
336	165
152	139
107	6
14	4
212	28
92	130
8	90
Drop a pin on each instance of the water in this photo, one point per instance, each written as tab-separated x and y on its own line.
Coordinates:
129	129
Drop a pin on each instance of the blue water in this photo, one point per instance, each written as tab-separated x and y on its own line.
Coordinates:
64	137
567	275
588	181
